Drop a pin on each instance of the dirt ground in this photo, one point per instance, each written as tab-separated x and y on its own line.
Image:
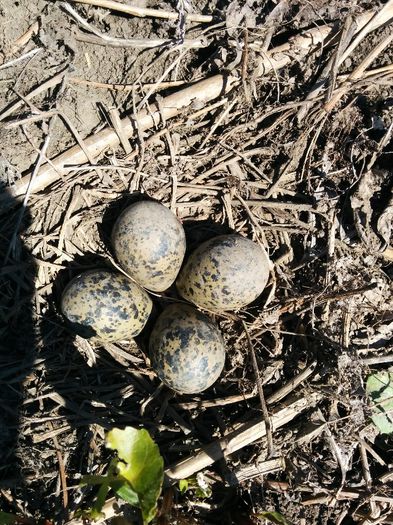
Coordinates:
294	152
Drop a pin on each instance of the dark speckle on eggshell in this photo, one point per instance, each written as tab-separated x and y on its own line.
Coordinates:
105	305
225	273
149	243
186	349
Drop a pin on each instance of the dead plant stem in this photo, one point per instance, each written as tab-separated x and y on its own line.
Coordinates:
143	12
265	412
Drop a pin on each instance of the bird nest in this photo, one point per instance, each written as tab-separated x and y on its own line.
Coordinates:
273	121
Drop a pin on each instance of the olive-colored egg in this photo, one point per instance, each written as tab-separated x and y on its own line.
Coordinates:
186	349
224	273
149	243
105	305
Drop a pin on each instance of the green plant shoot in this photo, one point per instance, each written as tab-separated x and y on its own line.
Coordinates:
380	389
135	475
197	484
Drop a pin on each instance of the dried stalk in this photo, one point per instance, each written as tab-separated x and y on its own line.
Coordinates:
141	43
278	395
29	54
358	72
292	384
243	436
48	84
103	39
265	412
258	470
344	49
346	494
22	209
126	87
297	47
23	40
144	11
377	20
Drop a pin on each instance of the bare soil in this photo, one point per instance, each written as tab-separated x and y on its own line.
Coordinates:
312	183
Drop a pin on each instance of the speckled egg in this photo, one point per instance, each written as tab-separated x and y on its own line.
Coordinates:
224	273
105	305
186	349
149	243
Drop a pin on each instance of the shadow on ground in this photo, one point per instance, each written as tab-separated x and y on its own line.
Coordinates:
18	337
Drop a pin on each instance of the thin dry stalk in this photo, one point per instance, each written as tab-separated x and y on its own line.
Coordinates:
27	55
292	384
223	116
228	159
377	20
346	494
62	472
344	50
143	43
42	116
115	120
121	42
22	210
358	72
239	155
144	102
329	72
48	84
143	12
367	477
260	469
189	405
280	394
265	412
23	39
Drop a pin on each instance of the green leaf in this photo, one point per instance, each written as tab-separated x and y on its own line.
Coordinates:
203	492
273	517
129	495
100	500
92	479
141	465
380	389
7	519
93	515
197	484
183	485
